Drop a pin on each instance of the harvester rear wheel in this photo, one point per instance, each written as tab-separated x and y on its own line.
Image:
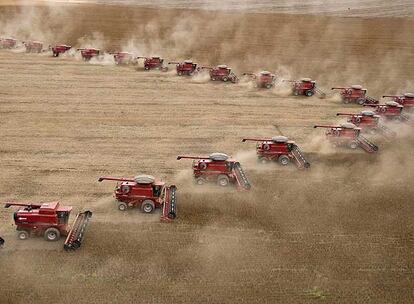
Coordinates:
223	180
23	235
147	206
353	145
52	234
122	207
200	181
284	160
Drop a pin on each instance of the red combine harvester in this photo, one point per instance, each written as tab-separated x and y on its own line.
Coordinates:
123	58
391	110
33	46
306	87
60	49
355	94
221	72
219	169
264	79
186	67
280	149
89	53
406	100
8	43
368	121
51	221
154	63
347	134
147	193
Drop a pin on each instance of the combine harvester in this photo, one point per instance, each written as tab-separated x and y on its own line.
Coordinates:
222	73
391	110
217	168
51	221
305	87
123	58
406	100
60	49
33	46
187	67
89	53
8	43
355	94
369	121
280	149
147	193
264	79
349	135
153	63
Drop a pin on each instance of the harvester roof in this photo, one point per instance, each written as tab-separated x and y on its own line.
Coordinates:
222	66
306	79
144	179
356	87
265	73
393	104
348	125
218	156
367	113
410	95
188	61
280	139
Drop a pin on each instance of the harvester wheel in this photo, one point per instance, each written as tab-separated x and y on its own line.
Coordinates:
353	145
296	93
200	181
223	180
309	93
263	160
268	86
179	73
284	160
52	234
147	206
23	235
122	207
146	68
225	79
345	100
213	78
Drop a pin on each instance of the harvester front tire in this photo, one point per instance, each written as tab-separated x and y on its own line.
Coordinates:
360	101
147	206
122	207
23	235
179	73
353	145
268	86
52	235
309	93
284	160
223	180
225	79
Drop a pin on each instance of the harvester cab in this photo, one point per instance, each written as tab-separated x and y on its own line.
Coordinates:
349	135
406	100
50	220
355	94
391	110
153	63
264	79
60	49
187	67
147	193
218	168
222	73
89	53
280	149
33	46
123	58
8	43
305	87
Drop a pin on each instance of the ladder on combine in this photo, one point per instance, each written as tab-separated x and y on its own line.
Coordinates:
241	177
385	131
299	157
169	208
370	100
76	234
366	145
320	92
